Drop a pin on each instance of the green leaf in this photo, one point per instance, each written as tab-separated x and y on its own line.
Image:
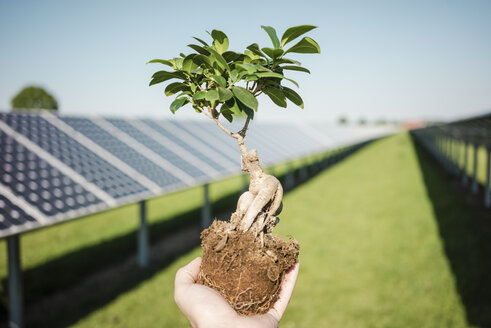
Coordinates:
224	94
276	96
175	87
160	61
162	76
248	67
296	68
273	53
220	41
211	95
288	61
294	32
222	62
292	81
199	49
227	113
178	103
245	97
243	108
188	63
199	95
293	97
220	80
200	41
270	74
272	35
305	46
234	76
255	49
230	56
202	60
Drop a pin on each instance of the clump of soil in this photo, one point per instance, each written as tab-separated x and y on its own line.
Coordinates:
245	272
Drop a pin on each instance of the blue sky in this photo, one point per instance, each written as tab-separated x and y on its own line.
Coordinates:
380	59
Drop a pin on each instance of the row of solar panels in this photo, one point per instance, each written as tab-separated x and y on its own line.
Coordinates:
55	168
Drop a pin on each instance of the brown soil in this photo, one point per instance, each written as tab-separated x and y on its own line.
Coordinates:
247	272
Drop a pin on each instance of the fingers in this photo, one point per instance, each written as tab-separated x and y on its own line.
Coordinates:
187	275
285	292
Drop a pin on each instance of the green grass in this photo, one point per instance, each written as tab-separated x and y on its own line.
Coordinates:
372	254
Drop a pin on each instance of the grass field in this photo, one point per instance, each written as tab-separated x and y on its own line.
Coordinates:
377	251
384	243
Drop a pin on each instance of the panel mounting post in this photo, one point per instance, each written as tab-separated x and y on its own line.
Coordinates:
143	237
487	188
16	315
475	188
206	209
464	166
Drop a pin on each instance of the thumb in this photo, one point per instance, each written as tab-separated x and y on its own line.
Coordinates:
187	275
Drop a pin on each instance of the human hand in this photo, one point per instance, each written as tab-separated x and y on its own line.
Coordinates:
205	307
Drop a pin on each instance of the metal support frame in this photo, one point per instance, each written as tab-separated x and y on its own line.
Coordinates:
143	242
289	182
475	187
487	188
16	306
465	178
304	172
206	209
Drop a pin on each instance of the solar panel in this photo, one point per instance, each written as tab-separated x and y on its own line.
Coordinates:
221	144
124	152
37	182
203	152
12	216
76	156
167	149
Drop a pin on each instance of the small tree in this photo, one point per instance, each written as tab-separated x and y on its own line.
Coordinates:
343	120
362	121
218	83
33	97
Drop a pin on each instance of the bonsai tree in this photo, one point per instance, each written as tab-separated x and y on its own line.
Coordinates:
242	260
33	97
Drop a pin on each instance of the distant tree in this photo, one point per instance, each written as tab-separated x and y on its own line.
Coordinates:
343	120
33	97
362	121
381	121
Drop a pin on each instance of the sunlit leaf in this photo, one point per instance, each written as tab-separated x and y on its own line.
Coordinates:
199	49
305	46
211	95
294	32
245	97
272	35
220	41
293	97
276	95
296	68
199	95
273	53
160	61
220	80
224	94
178	103
175	87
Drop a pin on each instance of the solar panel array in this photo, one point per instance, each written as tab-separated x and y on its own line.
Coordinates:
55	168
